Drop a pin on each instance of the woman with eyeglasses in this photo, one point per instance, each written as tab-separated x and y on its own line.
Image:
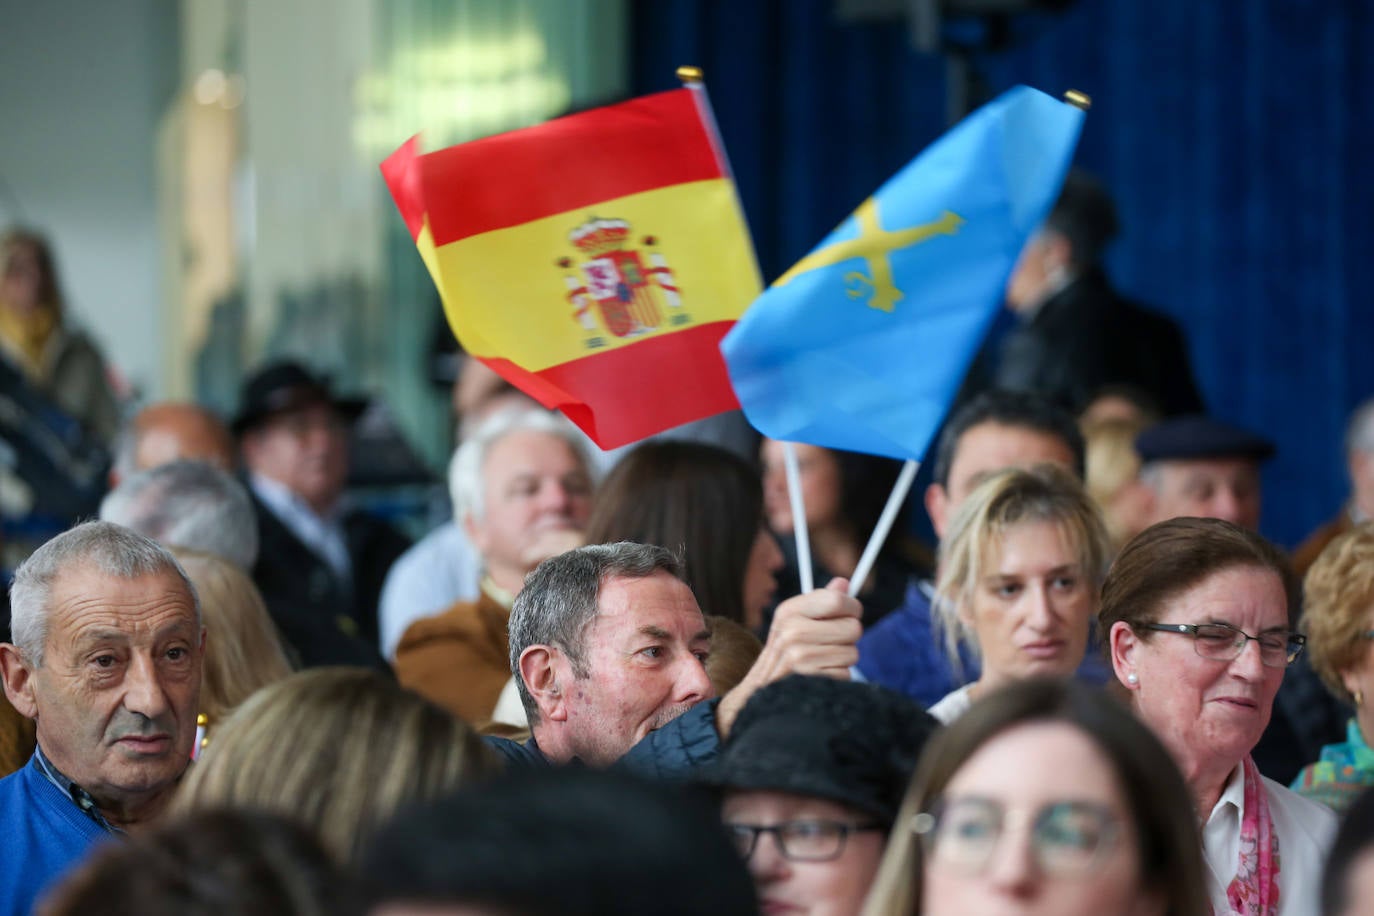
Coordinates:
1020	568
1338	617
1045	798
810	779
1197	615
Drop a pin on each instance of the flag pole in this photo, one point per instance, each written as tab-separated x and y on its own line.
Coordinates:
794	496
894	504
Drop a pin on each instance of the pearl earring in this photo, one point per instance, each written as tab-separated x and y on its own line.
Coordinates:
1132	679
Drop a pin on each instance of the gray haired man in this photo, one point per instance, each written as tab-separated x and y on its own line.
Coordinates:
608	647
106	660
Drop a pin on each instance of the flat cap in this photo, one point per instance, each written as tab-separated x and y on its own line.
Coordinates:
1199	436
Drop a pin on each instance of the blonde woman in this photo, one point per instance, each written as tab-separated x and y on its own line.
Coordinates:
242	649
338	749
1020	570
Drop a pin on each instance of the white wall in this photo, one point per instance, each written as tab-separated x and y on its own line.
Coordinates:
82	86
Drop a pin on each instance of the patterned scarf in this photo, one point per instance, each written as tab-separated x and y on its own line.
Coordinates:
1254	891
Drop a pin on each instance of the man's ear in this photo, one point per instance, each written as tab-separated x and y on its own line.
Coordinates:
545	679
18	681
476	532
1123	645
937	507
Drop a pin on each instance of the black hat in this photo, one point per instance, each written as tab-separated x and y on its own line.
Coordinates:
1198	436
283	386
855	744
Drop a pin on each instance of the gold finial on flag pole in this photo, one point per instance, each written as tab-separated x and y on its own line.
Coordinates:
1073	97
690	74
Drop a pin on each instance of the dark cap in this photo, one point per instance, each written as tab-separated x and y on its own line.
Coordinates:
1198	436
286	386
855	744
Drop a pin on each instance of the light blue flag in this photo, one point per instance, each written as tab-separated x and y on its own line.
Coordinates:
863	344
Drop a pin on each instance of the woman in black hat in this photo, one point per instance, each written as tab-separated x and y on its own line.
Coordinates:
811	779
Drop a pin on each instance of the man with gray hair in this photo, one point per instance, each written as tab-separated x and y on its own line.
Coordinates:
608	647
188	504
1359	462
522	491
106	659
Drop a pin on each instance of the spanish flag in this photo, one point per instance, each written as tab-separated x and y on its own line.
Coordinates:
594	261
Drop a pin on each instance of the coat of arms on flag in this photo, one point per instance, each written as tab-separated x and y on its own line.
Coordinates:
612	289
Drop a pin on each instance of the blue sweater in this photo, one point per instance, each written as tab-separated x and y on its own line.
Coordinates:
42	835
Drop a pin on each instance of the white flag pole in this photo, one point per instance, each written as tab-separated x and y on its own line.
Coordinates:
794	495
875	543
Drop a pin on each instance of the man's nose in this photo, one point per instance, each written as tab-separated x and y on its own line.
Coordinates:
767	863
143	690
1228	506
694	684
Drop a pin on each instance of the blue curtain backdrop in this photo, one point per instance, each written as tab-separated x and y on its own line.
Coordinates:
1230	132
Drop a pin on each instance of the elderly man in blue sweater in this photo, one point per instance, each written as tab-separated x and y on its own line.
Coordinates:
106	660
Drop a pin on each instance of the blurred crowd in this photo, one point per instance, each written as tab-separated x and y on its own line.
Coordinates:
600	687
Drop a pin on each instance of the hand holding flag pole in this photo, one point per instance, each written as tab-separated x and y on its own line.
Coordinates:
864	343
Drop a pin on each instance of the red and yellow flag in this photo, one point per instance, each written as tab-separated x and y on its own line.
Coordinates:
594	261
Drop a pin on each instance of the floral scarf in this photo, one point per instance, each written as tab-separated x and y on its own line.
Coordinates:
1254	891
1342	773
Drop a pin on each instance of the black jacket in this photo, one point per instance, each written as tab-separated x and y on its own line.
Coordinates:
319	618
1087	337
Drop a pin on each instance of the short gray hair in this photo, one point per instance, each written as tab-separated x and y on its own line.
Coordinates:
465	468
559	601
112	549
188	504
1359	432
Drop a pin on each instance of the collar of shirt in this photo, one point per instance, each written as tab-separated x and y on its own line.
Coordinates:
1221	833
323	535
77	795
497	593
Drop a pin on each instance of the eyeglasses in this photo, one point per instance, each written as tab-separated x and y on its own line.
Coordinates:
1066	838
799	841
1222	642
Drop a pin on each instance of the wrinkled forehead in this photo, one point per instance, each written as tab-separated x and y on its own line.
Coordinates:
86	596
659	602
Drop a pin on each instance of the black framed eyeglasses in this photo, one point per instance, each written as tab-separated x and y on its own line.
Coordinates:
1067	838
1222	642
800	841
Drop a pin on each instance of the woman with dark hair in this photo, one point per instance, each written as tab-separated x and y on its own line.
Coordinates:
1196	612
1045	798
705	504
844	493
36	339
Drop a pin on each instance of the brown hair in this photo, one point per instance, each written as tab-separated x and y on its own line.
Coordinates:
49	293
1152	788
1338	594
242	649
1171	557
703	503
734	649
339	749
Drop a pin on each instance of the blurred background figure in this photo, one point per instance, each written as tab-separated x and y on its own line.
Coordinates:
522	489
212	863
1338	618
188	504
704	504
1077	335
811	778
35	337
1348	882
17	739
844	493
170	431
1359	463
1020	573
1200	467
321	563
1111	475
337	749
561	842
243	651
1198	613
1047	797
